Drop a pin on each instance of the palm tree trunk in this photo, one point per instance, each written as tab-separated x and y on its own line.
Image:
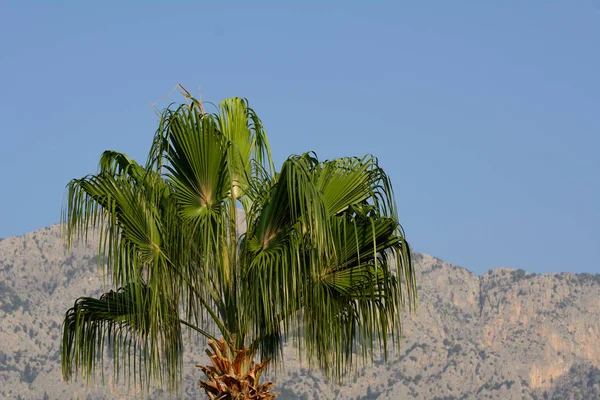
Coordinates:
233	374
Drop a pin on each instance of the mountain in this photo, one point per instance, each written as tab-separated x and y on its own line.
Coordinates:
504	335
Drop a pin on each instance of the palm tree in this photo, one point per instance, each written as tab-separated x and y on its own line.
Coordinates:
317	257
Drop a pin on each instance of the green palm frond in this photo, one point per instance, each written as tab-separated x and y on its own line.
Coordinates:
197	157
142	242
123	320
244	130
318	248
347	181
128	215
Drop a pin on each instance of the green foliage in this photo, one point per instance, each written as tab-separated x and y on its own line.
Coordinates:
29	374
593	279
122	318
582	381
520	274
323	251
457	348
12	302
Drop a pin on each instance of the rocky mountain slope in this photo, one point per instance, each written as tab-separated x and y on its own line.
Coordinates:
504	335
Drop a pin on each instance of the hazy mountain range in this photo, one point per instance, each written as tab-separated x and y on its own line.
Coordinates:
503	335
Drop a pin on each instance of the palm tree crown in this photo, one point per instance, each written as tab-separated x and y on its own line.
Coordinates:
318	254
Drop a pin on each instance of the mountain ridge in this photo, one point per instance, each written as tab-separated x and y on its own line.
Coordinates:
57	228
503	334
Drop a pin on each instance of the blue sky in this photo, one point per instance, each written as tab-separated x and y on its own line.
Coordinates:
485	114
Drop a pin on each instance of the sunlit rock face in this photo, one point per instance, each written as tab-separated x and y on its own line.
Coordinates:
503	335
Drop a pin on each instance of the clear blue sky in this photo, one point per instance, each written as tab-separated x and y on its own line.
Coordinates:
486	116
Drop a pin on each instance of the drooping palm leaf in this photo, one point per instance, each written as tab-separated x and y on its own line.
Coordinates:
317	248
143	245
123	320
